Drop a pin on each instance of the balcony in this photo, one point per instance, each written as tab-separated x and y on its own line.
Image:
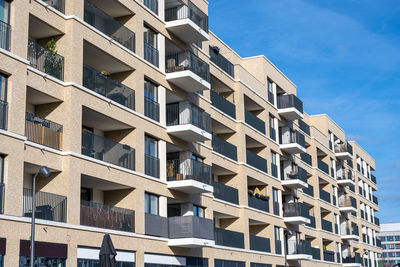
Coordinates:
151	54
324	195
293	142
152	165
45	60
226	193
188	122
189	176
152	5
223	147
186	21
256	161
345	180
107	217
5	35
326	225
329	255
304	127
109	26
228	238
187	71
290	107
347	204
222	104
221	61
107	87
258	202
49	207
156	225
299	251
323	166
305	157
309	190
352	261
254	121
3	115
261	244
295	179
316	253
103	149
344	151
296	213
190	231
43	131
346	233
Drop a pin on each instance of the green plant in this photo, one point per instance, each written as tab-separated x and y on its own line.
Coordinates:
53	63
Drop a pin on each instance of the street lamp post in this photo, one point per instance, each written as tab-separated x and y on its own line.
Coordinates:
45	172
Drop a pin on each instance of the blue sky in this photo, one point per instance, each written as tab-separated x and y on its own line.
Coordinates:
344	57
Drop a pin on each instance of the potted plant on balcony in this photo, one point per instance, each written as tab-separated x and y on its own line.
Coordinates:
53	64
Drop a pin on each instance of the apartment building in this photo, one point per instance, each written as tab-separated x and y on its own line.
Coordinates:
389	240
157	132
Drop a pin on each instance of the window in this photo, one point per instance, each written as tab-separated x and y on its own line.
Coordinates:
151	146
150	36
270	92
152	5
5	11
86	194
151	106
198	211
2	159
151	204
3	99
275	197
3	87
42	261
274	167
272	130
152	163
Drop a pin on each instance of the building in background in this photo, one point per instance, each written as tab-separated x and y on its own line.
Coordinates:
389	240
161	135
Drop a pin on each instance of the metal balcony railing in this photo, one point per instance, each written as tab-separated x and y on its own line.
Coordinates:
298	173
50	207
105	86
304	127
256	161
276	207
108	217
272	133
5	35
278	247
316	253
306	158
2	194
254	121
226	193
222	104
57	4
188	170
151	54
190	227
43	131
271	98
353	259
223	147
222	62
326	225
347	202
109	151
344	147
187	10
295	210
151	109
228	238
186	113
309	190
290	101
45	60
259	243
274	170
152	166
323	166
302	247
329	255
294	137
260	203
324	195
187	60
108	25
152	5
3	115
